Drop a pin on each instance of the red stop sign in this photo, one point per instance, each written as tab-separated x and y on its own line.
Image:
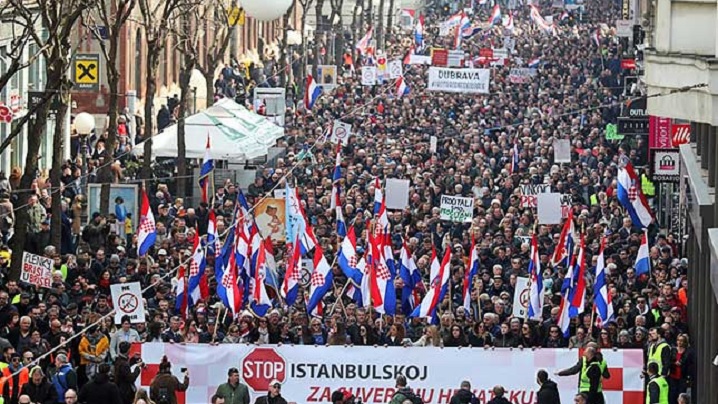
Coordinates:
261	366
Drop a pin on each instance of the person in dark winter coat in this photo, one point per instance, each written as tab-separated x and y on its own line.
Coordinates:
164	386
548	392
124	376
38	388
100	389
499	396
464	395
274	396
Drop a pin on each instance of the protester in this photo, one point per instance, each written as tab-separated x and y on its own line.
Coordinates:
464	395
548	391
233	391
39	390
164	387
273	396
499	396
100	389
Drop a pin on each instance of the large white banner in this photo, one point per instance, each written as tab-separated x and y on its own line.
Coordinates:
474	81
309	374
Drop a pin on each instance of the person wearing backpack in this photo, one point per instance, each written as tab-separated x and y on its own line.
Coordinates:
404	393
165	385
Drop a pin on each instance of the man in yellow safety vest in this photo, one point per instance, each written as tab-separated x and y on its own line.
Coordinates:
591	368
657	392
659	351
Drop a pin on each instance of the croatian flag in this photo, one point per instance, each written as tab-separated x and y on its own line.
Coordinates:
464	23
146	233
383	293
632	198
341	224
260	301
564	248
419	32
536	294
336	190
564	321
471	273
363	45
311	93
601	296
293	275
495	17
198	286
454	20
534	63
227	277
515	157
212	236
578	281
643	260
401	88
378	196
205	172
348	259
411	277
320	281
596	36
509	23
181	293
469	31
427	308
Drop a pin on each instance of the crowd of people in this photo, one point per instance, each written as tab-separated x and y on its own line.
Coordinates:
573	96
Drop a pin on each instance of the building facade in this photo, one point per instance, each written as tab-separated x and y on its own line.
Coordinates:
681	74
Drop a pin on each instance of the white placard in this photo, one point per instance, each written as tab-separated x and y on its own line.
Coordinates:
562	151
127	301
280	193
432	144
309	373
341	131
397	193
419	59
470	81
529	192
519	75
501	53
549	208
368	75
455	58
624	28
457	208
395	69
521	298
36	270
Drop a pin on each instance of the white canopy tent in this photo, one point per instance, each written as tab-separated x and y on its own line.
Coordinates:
235	134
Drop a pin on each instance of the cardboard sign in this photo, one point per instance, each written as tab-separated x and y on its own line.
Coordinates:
439	57
432	144
457	209
127	301
549	208
520	75
397	193
562	151
529	192
341	131
521	297
36	270
395	69
368	75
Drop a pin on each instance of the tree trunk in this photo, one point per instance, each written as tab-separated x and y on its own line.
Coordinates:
380	27
390	20
355	20
153	63
370	14
317	36
284	64
209	84
105	175
185	75
304	61
339	36
56	171
55	74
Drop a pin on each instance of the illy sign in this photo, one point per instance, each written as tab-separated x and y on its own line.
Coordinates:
659	133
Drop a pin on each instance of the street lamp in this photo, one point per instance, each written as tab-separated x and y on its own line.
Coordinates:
266	10
84	125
